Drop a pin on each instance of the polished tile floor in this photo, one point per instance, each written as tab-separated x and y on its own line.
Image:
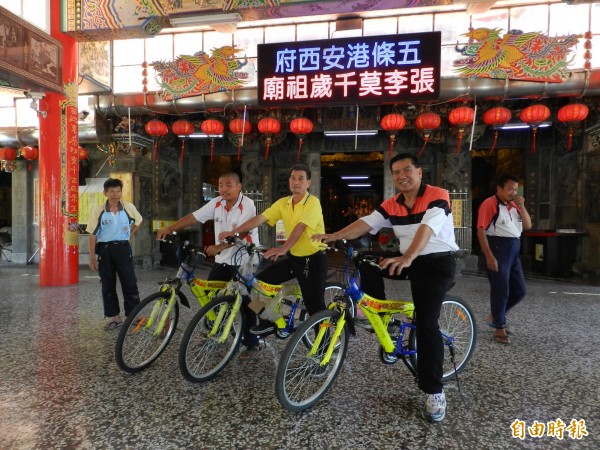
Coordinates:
61	389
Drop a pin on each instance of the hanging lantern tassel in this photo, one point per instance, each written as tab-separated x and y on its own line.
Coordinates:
212	149
459	139
268	142
570	139
533	140
392	142
182	150
425	140
494	142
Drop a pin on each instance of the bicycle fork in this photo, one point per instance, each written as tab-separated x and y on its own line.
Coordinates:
220	316
163	319
323	329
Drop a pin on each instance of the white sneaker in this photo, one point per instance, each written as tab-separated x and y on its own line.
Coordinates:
435	407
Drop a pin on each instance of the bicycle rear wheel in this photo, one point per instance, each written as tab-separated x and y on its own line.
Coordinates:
301	379
458	329
139	342
202	355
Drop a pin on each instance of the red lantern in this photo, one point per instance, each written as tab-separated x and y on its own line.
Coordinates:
8	154
496	117
268	126
392	123
213	128
426	123
534	115
156	129
240	127
182	128
569	115
461	118
83	154
301	127
30	153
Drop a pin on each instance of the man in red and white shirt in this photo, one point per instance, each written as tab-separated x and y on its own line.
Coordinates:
230	209
501	220
422	221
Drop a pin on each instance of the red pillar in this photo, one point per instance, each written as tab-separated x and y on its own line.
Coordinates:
59	170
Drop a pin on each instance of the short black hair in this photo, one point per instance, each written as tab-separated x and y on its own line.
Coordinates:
301	167
232	174
502	179
401	156
112	182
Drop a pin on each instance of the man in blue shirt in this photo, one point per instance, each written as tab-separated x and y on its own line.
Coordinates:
111	226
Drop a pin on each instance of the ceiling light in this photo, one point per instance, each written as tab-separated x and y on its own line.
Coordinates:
360	185
219	22
522	125
354	177
351	133
200	136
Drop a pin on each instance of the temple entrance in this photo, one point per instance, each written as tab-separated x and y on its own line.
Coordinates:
350	179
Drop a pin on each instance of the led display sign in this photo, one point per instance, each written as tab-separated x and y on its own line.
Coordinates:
370	69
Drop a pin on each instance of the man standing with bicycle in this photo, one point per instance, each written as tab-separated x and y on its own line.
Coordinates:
301	257
227	210
422	221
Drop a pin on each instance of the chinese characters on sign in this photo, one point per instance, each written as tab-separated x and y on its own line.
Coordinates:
575	429
370	69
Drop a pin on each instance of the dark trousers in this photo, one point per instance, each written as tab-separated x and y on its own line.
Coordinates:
225	272
430	279
310	271
113	260
507	286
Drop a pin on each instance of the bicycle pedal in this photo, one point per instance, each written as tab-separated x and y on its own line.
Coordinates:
282	334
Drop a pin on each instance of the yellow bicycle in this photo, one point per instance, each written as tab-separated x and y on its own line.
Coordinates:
214	333
149	328
305	375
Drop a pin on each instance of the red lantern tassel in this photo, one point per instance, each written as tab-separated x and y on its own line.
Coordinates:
392	142
422	148
458	142
182	150
299	148
155	151
570	139
533	141
212	148
268	146
239	150
494	143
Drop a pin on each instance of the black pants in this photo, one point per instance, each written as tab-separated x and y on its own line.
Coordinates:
310	271
430	279
116	259
224	272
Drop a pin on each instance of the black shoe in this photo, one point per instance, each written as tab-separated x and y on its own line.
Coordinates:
263	327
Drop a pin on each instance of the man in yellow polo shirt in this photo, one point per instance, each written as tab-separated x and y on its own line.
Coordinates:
299	256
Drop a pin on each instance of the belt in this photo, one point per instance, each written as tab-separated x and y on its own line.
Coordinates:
440	254
114	243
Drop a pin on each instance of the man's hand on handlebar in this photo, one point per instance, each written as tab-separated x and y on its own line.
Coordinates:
325	238
162	233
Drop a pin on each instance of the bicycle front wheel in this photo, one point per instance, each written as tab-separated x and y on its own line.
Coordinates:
207	346
142	338
303	378
458	329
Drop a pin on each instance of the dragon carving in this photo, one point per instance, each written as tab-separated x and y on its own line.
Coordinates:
516	55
